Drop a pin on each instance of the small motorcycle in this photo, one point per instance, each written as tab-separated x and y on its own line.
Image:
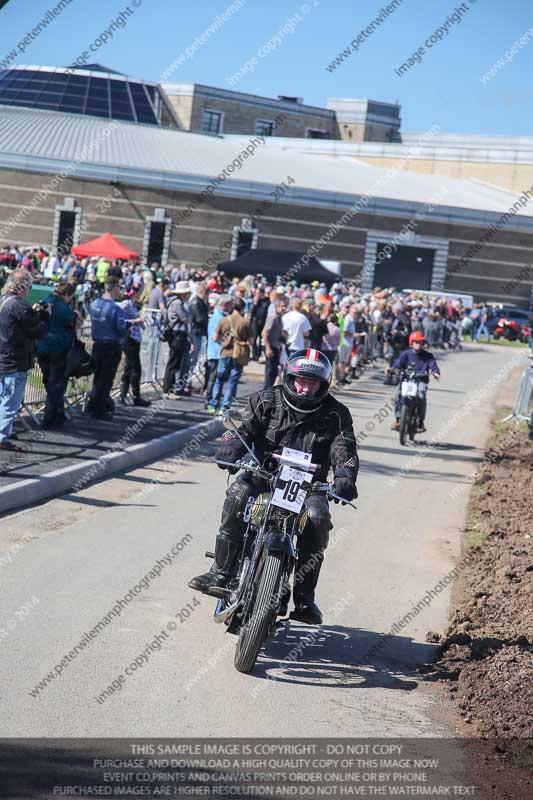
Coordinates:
507	329
275	520
525	334
409	419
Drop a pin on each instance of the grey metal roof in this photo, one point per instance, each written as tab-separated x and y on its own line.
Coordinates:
435	146
47	141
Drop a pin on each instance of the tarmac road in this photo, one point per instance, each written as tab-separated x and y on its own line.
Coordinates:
79	554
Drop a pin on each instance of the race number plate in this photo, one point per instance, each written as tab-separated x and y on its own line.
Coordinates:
291	488
409	388
296	457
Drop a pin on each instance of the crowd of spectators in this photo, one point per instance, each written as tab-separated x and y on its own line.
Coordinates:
213	325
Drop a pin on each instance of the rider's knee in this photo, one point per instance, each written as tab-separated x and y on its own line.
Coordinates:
318	522
237	497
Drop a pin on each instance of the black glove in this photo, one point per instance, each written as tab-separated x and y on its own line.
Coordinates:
225	455
345	488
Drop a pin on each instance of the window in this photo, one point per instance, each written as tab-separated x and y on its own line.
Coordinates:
156	241
316	133
65	237
245	237
157	237
265	127
212	122
244	243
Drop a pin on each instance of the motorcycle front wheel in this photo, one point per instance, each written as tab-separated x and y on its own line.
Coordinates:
404	423
254	632
412	423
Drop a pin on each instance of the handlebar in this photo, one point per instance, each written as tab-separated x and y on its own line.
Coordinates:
261	473
328	489
267	476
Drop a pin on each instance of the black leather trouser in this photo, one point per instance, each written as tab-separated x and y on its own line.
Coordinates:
312	542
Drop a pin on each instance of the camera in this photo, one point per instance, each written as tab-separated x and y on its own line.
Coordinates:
41	307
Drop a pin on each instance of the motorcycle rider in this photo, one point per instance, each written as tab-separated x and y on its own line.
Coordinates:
424	362
301	414
397	330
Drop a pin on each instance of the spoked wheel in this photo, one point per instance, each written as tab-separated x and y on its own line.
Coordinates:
254	632
404	422
412	423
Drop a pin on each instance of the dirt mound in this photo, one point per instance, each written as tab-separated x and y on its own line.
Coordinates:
487	652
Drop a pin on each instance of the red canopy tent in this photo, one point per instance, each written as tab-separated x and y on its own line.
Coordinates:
106	246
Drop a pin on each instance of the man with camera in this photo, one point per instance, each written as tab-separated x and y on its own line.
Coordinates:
20	325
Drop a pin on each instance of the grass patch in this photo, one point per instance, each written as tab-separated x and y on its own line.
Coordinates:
504	343
500	429
474	533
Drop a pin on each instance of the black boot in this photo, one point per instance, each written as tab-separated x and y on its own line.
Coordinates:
226	552
283	609
308	612
305	608
124	389
140	401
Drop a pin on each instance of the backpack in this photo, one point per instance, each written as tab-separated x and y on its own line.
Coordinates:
167	329
79	362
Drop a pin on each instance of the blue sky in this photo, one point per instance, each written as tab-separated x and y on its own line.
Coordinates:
443	89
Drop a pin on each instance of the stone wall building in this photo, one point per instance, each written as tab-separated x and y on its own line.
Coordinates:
179	196
207	109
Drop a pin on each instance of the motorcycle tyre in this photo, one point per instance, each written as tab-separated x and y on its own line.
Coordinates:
253	633
404	419
412	424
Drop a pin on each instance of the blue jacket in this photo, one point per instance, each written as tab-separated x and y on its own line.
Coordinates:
213	348
424	361
131	311
61	332
108	321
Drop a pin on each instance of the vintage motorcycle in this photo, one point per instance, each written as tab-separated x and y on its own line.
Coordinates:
275	519
409	404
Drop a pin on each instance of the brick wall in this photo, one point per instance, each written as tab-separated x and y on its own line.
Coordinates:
284	226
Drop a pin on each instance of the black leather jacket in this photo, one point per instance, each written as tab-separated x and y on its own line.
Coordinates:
269	424
20	325
199	316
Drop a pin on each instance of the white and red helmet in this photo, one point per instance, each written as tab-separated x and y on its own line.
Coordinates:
306	364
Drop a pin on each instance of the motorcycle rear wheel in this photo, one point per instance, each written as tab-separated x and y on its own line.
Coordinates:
254	632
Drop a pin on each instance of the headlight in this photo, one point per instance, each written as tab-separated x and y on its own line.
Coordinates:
303	521
258	508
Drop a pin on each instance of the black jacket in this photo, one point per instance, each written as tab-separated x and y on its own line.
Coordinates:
271	425
199	316
319	328
20	325
258	315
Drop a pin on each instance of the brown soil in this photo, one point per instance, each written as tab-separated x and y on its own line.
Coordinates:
487	651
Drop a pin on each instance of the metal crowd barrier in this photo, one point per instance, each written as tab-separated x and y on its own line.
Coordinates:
79	389
198	374
523	407
151	346
372	343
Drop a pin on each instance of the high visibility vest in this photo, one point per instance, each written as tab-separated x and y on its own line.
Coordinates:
102	269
